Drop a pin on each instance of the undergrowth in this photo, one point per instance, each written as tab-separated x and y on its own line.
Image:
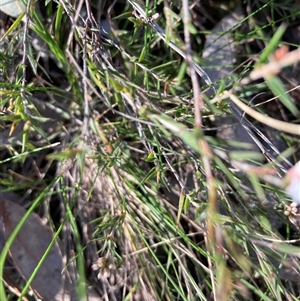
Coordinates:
113	133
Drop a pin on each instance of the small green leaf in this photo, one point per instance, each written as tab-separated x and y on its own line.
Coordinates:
58	19
256	186
263	58
221	87
192	28
68	154
286	248
245	155
117	86
13	26
150	157
264	222
190	137
186	205
181	74
135	21
276	86
182	198
25	135
143	54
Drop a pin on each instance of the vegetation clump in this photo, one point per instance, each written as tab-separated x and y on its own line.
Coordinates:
149	150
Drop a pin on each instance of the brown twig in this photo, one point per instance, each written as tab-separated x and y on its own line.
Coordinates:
198	100
274	123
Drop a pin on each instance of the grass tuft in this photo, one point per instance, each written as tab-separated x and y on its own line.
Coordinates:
152	139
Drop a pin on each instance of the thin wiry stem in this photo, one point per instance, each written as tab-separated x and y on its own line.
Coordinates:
277	124
86	118
24	57
198	100
203	145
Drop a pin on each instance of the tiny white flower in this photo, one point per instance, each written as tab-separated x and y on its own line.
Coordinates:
292	183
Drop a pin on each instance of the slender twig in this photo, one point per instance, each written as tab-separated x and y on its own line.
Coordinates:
24	57
274	123
86	117
203	145
78	68
198	100
73	20
273	67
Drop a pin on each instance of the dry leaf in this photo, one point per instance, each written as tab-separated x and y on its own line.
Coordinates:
27	250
